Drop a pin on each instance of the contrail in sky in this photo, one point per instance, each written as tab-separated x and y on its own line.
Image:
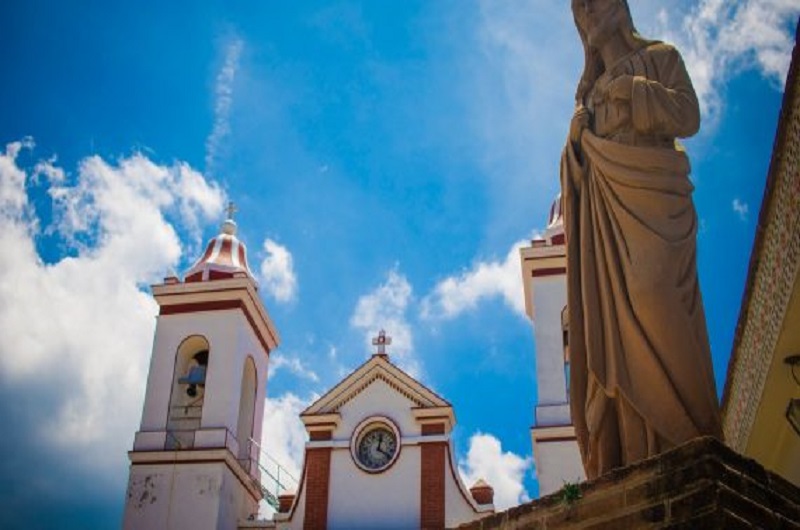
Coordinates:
224	99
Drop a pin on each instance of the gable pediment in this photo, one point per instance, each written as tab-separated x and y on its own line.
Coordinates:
377	368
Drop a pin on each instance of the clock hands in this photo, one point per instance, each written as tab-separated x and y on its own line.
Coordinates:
376	449
380	447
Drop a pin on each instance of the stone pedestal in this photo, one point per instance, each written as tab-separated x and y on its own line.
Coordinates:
701	484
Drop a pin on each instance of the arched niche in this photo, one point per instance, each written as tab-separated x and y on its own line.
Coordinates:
247	409
188	391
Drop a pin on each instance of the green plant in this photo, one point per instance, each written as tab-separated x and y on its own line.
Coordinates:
571	492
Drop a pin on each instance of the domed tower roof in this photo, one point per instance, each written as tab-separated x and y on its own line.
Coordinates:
224	256
554	233
556	216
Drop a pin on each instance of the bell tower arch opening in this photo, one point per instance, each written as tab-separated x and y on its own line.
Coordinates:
247	410
188	391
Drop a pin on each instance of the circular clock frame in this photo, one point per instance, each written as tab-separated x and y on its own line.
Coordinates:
380	425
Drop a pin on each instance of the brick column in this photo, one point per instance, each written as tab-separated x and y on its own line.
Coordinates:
318	474
432	485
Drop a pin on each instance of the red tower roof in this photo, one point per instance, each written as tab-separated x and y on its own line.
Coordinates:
225	256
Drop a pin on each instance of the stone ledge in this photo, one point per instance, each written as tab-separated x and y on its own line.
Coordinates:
701	484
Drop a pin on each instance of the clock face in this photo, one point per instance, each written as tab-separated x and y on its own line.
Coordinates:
376	448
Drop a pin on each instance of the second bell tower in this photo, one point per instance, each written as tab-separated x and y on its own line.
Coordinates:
544	270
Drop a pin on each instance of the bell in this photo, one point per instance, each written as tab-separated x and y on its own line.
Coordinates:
196	376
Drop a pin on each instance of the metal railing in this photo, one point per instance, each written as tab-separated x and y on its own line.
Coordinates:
278	478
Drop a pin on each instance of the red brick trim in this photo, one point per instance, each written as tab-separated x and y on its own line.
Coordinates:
554	271
318	476
285	502
482	494
319	436
193	278
556	439
219	275
559	239
429	429
218	305
432	485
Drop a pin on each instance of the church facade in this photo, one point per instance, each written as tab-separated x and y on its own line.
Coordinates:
380	455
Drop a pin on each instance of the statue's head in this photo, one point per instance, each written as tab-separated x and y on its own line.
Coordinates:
597	21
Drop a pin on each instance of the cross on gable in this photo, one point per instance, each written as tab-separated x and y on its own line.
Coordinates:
231	209
381	341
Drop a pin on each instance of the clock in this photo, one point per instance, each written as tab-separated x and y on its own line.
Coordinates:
375	445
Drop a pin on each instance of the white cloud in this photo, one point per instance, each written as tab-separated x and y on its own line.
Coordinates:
13	198
385	308
223	91
283	435
283	439
520	89
741	209
504	471
133	195
718	39
522	81
294	365
486	279
80	326
277	272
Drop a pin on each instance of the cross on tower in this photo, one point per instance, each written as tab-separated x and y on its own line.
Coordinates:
381	341
231	209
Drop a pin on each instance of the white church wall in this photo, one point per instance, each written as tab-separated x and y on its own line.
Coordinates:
262	374
176	497
294	520
147	501
159	379
550	297
557	462
385	500
224	371
378	399
458	510
355	495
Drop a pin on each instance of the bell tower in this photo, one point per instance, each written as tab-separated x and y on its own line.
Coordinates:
193	463
544	277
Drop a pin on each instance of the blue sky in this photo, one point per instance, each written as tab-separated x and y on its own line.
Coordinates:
386	158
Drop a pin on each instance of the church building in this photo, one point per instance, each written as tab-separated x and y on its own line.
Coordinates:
380	452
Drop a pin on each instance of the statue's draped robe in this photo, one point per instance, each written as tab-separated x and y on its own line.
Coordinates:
640	364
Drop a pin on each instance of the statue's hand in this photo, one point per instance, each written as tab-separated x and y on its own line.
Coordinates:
580	121
620	88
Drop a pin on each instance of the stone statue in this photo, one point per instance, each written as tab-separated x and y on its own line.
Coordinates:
641	374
